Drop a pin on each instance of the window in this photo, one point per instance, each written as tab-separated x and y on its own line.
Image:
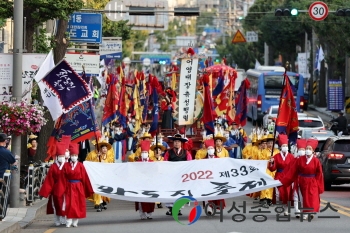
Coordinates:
310	123
274	110
342	145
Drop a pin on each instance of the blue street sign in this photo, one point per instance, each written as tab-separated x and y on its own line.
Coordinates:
335	95
85	28
112	56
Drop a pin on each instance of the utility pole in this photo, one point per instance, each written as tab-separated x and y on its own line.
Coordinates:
17	93
266	54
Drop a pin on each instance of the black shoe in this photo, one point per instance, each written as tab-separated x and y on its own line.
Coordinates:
159	206
180	212
104	205
169	212
99	209
96	207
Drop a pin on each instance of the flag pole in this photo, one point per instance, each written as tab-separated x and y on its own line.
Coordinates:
279	108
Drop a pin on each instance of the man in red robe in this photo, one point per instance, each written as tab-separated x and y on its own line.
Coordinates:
145	209
308	170
51	187
77	188
278	163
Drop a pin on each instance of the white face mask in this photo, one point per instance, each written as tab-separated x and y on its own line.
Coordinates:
211	151
284	149
301	152
61	159
74	158
66	154
144	155
308	152
227	135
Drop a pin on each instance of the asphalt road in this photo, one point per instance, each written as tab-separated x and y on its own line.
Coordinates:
122	217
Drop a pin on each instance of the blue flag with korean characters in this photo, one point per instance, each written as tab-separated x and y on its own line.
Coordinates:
68	86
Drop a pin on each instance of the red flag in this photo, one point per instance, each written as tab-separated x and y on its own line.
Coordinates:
287	117
208	112
112	99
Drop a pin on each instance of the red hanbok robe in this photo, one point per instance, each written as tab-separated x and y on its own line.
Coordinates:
146	206
285	192
78	188
310	181
51	188
217	202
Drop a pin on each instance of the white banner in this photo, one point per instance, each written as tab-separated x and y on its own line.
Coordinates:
30	65
187	92
167	181
51	101
91	62
303	68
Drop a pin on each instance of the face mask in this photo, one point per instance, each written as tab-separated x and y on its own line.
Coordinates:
74	158
66	154
284	149
308	152
61	159
301	152
227	135
144	155
211	151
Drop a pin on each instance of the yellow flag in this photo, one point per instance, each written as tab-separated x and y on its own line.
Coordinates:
173	81
136	97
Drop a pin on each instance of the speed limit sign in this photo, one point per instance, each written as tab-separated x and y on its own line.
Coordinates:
318	11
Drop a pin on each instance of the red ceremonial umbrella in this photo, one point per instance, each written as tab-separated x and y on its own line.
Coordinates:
218	68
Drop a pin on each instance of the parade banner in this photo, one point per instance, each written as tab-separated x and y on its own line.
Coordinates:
187	92
207	179
30	66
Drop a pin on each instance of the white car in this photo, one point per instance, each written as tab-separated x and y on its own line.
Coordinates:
320	135
272	114
312	123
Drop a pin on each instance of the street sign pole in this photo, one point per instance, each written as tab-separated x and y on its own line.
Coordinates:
17	93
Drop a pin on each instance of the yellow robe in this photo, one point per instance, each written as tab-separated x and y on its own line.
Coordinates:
160	159
138	154
266	155
97	199
201	153
247	151
223	153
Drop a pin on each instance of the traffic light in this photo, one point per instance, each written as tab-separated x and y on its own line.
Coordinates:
286	12
162	62
343	12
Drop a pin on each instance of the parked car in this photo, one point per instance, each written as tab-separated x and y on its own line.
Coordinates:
313	123
272	114
320	135
335	160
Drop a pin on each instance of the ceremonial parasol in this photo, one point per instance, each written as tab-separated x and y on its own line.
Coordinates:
218	68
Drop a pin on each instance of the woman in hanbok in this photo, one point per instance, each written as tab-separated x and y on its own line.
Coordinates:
307	170
145	208
78	188
119	143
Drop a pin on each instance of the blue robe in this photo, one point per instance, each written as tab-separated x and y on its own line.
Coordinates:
230	141
237	151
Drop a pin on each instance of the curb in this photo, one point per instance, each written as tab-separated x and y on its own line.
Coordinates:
32	212
329	114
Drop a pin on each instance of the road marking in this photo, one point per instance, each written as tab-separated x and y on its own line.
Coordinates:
333	204
50	230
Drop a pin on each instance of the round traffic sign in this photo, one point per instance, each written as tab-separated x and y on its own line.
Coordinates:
318	11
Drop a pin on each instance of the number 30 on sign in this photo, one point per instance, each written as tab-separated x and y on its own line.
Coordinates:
318	11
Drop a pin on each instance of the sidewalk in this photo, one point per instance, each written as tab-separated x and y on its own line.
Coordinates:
323	111
17	218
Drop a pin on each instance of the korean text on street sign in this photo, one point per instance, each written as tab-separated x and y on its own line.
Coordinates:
85	28
111	49
251	36
318	11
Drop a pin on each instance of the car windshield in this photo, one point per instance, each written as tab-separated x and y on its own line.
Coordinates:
310	123
274	110
342	145
310	133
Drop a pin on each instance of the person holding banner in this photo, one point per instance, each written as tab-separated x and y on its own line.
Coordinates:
145	208
51	187
266	195
307	170
278	163
158	152
77	188
209	144
175	155
202	152
102	156
220	151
